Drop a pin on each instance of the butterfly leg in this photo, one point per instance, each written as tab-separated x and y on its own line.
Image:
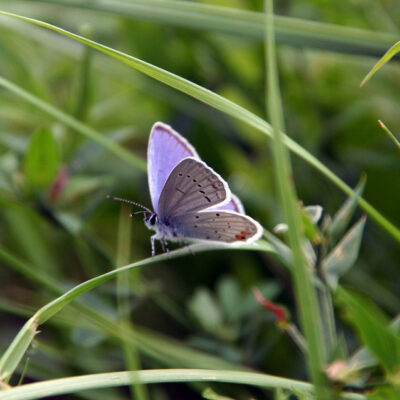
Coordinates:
190	250
153	245
165	246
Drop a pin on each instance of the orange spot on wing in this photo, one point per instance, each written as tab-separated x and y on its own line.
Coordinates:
240	237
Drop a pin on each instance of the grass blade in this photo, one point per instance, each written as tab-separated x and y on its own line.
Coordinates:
202	94
75	124
390	134
20	342
305	293
385	58
113	379
131	356
241	22
373	329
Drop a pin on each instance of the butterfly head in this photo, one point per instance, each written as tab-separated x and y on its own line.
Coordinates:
151	220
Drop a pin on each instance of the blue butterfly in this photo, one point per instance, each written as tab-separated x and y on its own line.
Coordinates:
191	201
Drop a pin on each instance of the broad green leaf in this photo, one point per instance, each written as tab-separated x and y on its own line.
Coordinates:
42	159
373	328
206	310
344	255
230	297
385	58
342	218
363	357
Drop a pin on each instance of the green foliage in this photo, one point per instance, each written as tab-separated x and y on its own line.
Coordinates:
62	243
344	255
42	159
373	329
385	58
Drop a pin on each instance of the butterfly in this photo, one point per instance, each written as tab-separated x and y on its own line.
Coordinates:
191	201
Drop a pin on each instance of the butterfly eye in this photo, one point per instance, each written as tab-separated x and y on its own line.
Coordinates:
153	219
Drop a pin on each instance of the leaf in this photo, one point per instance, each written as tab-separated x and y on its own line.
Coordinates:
385	58
314	212
230	297
42	159
373	328
385	393
206	310
344	214
209	394
344	255
14	353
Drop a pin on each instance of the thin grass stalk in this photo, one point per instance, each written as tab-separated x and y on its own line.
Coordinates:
306	296
132	360
76	125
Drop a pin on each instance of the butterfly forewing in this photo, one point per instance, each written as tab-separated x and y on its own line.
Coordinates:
219	226
191	186
165	150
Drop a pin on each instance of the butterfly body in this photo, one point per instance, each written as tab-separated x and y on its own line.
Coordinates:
191	201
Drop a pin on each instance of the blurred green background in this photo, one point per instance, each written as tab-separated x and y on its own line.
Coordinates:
68	233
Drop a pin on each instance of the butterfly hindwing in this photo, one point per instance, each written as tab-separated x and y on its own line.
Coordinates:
218	226
191	186
165	150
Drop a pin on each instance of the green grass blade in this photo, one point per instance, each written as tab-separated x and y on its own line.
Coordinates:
131	356
20	343
42	150
17	349
305	293
385	58
241	22
212	99
390	134
114	379
75	124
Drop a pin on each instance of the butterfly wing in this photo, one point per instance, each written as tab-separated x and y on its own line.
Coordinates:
234	205
165	150
191	186
217	226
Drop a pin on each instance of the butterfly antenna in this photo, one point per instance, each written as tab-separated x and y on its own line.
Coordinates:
109	197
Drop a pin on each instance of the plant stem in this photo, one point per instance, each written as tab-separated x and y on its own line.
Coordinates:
304	290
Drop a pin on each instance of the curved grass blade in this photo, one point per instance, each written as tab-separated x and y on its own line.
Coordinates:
114	379
159	347
21	343
385	58
390	134
244	23
220	103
